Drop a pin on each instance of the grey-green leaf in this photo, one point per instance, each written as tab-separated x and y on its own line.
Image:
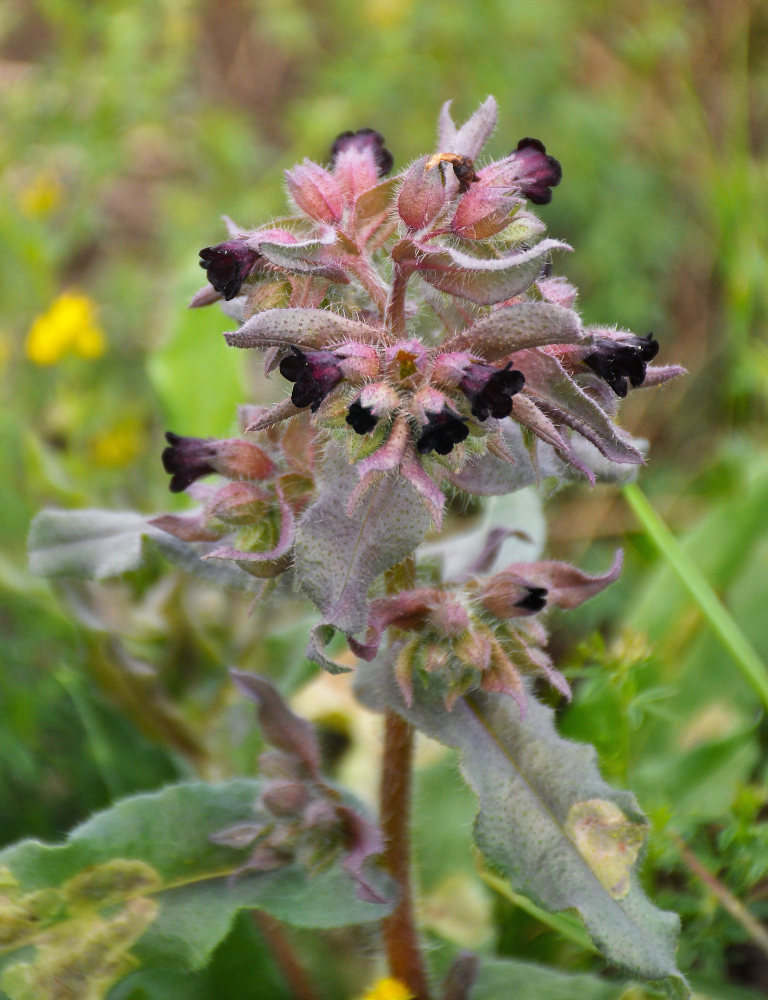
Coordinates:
512	328
526	981
156	849
311	328
547	820
96	544
338	555
315	257
481	280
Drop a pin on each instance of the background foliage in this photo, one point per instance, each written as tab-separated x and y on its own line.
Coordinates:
127	130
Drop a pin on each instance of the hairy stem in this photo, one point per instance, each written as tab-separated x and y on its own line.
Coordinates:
395	317
400	935
282	952
370	281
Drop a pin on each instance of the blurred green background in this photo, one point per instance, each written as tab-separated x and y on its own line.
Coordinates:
128	129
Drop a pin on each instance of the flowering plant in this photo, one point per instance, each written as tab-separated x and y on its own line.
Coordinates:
431	355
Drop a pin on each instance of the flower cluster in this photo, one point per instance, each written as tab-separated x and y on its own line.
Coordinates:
299	818
481	633
424	338
429	378
255	513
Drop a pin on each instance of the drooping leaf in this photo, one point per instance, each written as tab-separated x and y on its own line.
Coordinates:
526	981
151	855
481	280
315	256
338	556
96	544
512	328
546	818
562	400
312	328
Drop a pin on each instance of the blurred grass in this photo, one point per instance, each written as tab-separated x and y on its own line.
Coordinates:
129	128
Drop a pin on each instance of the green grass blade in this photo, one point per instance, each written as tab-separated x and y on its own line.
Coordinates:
719	618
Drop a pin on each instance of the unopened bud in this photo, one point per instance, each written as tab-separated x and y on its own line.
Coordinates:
238	503
285	798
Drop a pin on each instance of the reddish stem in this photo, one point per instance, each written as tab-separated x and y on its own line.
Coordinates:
395	317
400	935
282	952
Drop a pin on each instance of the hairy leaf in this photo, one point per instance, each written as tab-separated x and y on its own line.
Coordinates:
315	257
96	544
312	328
481	280
529	324
339	555
547	820
526	981
561	399
150	855
470	138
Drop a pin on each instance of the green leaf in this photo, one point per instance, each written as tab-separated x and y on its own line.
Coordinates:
514	328
317	257
547	820
526	981
480	280
150	855
338	555
719	619
310	328
95	544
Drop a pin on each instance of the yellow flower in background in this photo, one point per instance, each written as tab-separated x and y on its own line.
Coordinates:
386	13
68	327
117	446
41	196
388	989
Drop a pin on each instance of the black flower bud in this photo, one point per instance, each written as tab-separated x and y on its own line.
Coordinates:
539	172
622	362
443	431
490	390
314	373
228	265
535	599
361	418
187	459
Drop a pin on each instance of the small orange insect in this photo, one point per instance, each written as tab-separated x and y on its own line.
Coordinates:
463	167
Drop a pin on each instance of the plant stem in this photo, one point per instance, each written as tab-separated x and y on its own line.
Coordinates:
400	935
282	952
688	573
395	317
370	281
734	906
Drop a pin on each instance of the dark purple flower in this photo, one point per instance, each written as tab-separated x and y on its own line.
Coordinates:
228	265
490	390
539	172
620	361
365	140
443	431
361	418
534	600
314	373
186	459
